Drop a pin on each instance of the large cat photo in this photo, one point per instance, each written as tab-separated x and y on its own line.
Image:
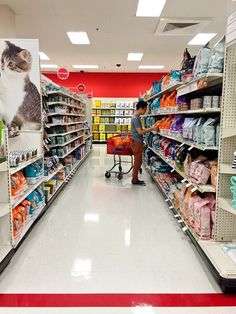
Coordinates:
20	101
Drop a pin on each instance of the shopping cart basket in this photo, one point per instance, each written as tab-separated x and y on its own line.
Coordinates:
118	146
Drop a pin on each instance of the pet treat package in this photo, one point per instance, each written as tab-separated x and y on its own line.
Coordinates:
216	63
202	219
197	133
202	61
192	201
208	136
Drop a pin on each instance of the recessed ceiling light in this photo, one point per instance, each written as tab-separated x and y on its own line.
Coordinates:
85	66
202	39
150	8
49	66
151	67
43	56
135	56
78	38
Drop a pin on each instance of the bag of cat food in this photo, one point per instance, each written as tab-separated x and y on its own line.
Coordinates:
187	165
181	197
176	127
202	61
193	199
202	219
208	136
176	199
185	211
199	172
187	66
216	63
197	133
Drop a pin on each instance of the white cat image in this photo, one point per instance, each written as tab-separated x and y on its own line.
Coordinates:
19	98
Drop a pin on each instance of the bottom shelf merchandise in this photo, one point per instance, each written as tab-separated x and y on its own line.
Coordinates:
197	210
27	210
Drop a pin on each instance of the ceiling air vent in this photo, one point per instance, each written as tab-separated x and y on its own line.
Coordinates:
181	26
171	26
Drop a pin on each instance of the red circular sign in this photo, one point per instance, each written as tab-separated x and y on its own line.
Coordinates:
81	87
89	95
63	73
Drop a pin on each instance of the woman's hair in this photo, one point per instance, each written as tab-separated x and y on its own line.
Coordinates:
141	104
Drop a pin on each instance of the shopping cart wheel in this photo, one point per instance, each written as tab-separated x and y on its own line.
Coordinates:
107	175
120	176
140	170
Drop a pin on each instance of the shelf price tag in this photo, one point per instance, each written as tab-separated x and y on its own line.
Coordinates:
180	221
173	170
194	189
185	228
190	148
182	145
171	207
188	185
167	200
184	180
177	215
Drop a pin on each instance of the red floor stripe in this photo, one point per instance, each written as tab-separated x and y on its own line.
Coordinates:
117	300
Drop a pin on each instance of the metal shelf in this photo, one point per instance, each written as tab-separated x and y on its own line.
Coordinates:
189	143
104	108
225	204
190	111
66	133
68	153
63	103
65	114
51	175
166	90
65	144
200	83
62	124
30	189
58	92
221	261
25	164
227	169
201	188
89	136
113	116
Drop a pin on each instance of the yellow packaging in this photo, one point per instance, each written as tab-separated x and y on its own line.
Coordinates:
129	127
96	119
101	127
97	103
96	136
99	112
102	137
95	127
118	128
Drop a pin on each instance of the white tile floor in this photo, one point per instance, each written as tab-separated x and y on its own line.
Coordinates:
106	236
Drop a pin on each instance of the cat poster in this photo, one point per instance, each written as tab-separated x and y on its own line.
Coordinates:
20	100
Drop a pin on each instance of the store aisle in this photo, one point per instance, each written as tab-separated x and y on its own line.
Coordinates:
106	236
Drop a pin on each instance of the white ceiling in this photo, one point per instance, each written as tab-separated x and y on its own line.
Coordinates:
119	32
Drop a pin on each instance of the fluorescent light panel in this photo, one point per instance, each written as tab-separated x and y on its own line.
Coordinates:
150	8
135	56
43	56
202	39
78	38
85	66
49	66
151	67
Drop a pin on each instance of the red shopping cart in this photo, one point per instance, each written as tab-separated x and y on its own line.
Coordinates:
118	146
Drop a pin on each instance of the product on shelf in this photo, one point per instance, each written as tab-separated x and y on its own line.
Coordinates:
34	172
18	157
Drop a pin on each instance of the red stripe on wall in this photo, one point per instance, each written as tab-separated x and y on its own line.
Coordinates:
109	84
117	300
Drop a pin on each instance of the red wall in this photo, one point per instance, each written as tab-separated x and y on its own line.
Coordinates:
109	84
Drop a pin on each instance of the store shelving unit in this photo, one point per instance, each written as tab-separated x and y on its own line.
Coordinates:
169	89
222	267
111	116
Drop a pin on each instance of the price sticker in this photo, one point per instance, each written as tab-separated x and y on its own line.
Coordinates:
185	229
171	207
190	148
180	221
167	200
194	189
172	170
182	145
184	180
188	185
177	215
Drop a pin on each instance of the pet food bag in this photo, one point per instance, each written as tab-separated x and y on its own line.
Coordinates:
202	219
202	61
208	136
192	201
216	63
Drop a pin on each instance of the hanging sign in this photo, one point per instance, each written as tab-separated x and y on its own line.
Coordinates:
81	87
63	73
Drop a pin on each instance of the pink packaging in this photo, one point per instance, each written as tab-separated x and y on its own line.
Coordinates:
181	197
199	173
191	203
202	218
